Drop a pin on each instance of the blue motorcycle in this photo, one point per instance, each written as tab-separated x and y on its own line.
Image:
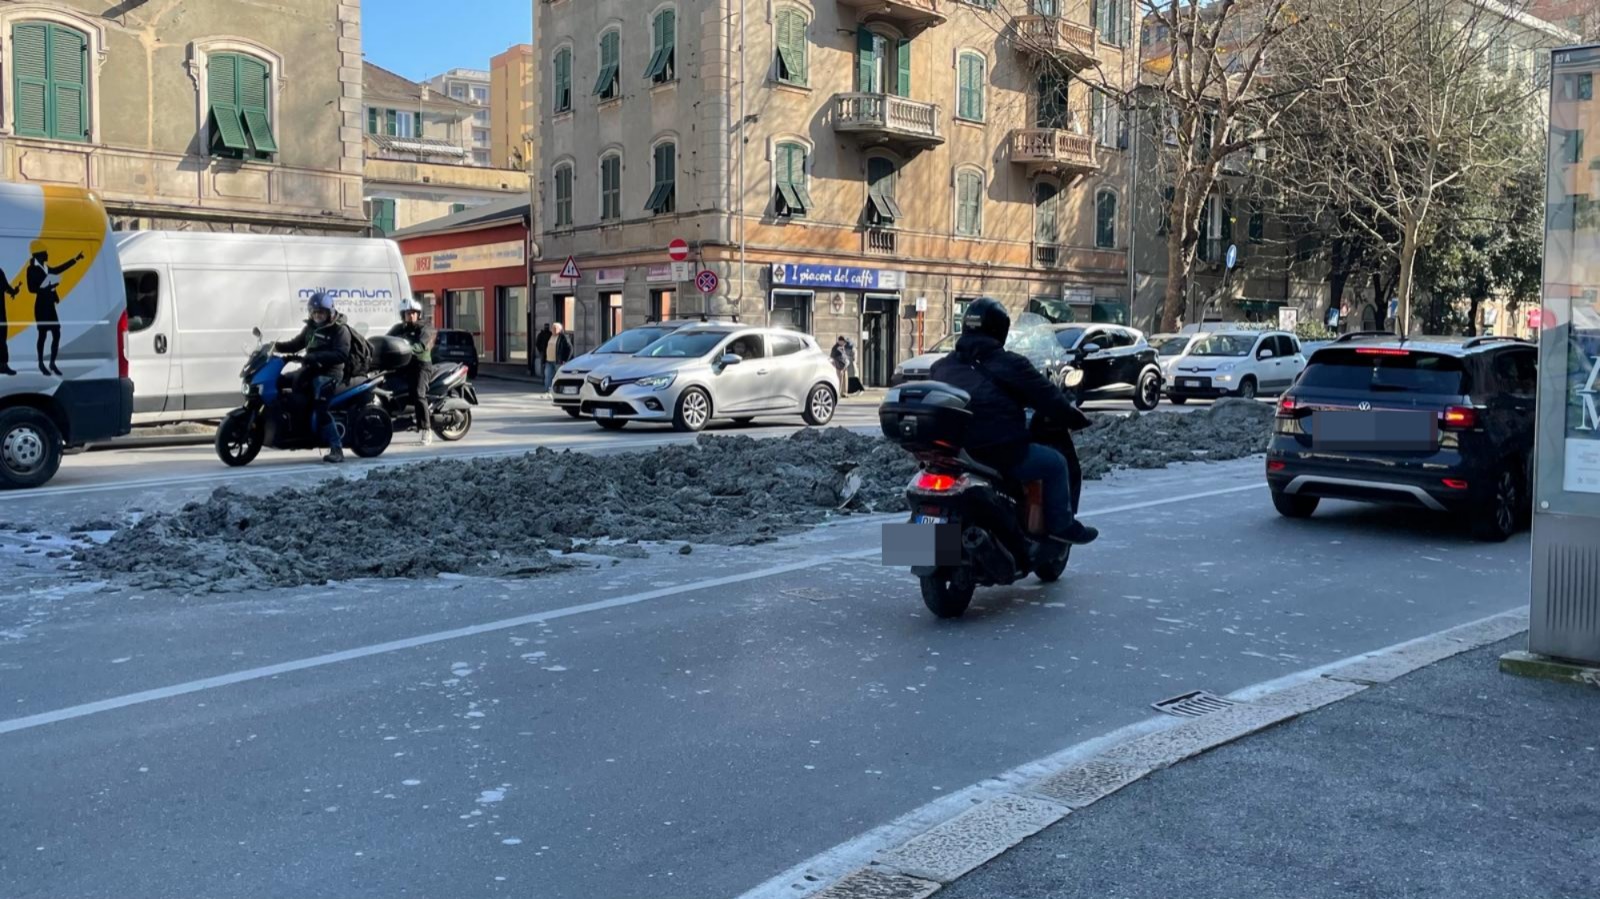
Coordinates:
274	415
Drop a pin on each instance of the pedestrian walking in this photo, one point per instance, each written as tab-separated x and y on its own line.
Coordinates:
541	342
557	352
843	356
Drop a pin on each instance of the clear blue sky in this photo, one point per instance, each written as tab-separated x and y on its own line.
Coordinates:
422	38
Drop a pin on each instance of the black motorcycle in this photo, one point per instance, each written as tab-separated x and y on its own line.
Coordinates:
971	526
450	397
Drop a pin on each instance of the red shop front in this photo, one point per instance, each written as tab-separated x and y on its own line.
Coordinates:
472	276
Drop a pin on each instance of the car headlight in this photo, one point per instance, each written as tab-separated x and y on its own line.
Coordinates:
1073	378
656	382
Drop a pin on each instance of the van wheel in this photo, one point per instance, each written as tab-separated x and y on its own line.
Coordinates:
370	430
820	406
694	410
1291	506
1494	517
1147	395
237	442
30	448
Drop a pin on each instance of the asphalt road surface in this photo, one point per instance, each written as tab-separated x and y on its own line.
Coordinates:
683	726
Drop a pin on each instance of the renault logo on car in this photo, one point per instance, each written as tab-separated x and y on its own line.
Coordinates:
605	385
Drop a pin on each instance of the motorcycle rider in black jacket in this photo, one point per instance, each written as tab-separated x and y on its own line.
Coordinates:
1003	385
414	331
324	348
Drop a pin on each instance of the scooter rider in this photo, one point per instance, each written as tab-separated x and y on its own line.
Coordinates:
324	349
1003	385
413	331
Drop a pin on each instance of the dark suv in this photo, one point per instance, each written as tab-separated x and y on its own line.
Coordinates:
1110	362
1437	423
457	346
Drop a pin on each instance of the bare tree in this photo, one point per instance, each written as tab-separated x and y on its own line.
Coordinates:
1434	98
1213	96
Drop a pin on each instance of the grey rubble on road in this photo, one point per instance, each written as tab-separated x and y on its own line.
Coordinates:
516	516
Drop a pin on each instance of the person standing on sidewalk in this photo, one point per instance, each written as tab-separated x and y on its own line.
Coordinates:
540	343
557	352
843	356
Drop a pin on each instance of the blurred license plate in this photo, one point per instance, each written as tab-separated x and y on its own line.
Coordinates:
1191	382
1395	431
567	390
934	545
604	413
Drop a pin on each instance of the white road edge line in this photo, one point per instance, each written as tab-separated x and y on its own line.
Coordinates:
822	871
250	674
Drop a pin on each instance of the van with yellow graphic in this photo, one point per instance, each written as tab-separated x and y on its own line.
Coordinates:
63	330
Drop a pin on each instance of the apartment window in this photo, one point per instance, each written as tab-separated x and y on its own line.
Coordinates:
239	89
878	66
480	95
458	91
793	46
481	117
664	195
393	122
382	217
882	210
610	187
1258	224
50	81
661	304
1105	220
563	80
1111	17
457	208
481	157
1107	119
1044	7
969	87
611	315
969	203
664	39
1045	230
1053	111
608	85
789	175
1577	87
1571	145
563	179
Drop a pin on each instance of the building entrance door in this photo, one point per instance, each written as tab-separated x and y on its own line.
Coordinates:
879	339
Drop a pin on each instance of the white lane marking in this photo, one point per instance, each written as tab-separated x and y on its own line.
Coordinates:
237	677
819	872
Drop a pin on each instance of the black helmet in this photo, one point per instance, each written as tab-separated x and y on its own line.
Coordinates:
320	301
988	317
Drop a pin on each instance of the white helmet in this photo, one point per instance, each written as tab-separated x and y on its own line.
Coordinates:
410	305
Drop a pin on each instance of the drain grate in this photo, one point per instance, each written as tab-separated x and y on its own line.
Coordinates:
1193	705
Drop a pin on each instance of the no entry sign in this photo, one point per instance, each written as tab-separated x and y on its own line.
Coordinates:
678	250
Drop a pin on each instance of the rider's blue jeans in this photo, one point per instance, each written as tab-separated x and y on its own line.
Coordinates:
1047	465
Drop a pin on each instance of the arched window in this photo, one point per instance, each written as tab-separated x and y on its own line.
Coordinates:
664	43
608	86
792	198
969	203
882	209
562	87
611	187
1045	230
793	45
50	78
563	188
970	72
239	103
1105	220
664	194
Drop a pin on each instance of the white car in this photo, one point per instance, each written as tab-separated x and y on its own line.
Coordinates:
1237	363
1171	348
702	372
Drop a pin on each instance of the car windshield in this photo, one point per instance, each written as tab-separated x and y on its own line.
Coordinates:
630	342
1171	346
1384	370
1067	338
684	345
1224	345
945	344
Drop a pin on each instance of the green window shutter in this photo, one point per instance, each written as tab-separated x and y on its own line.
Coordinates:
30	55
372	120
1044	205
969	197
255	91
668	40
69	83
563	81
903	56
866	61
610	49
970	100
792	46
457	207
222	79
383	217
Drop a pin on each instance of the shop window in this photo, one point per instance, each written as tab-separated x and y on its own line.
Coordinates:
511	319
792	310
663	303
564	309
610	315
464	312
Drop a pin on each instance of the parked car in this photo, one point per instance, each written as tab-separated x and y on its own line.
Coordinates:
709	371
457	346
1173	347
1237	363
916	368
566	391
1031	335
1438	423
1109	362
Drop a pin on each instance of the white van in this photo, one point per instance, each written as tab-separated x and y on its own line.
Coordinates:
193	298
63	350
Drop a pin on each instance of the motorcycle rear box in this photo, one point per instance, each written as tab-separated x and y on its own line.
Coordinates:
389	353
926	416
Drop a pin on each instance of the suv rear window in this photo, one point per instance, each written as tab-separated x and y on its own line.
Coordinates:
1385	370
454	339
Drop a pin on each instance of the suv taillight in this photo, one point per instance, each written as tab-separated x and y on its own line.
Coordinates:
1459	418
1287	407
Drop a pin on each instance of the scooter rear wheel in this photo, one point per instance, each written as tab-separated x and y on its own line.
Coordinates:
460	424
945	597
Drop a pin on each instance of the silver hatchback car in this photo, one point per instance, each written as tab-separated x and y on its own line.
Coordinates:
712	371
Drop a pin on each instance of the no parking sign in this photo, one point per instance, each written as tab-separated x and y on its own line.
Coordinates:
707	281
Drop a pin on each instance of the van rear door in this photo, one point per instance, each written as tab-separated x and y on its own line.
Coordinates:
151	332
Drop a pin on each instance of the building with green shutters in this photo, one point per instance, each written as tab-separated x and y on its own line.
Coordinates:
186	115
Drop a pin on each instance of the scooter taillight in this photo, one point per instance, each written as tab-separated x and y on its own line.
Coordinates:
930	482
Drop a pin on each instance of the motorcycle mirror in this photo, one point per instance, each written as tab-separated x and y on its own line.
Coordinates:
256	333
